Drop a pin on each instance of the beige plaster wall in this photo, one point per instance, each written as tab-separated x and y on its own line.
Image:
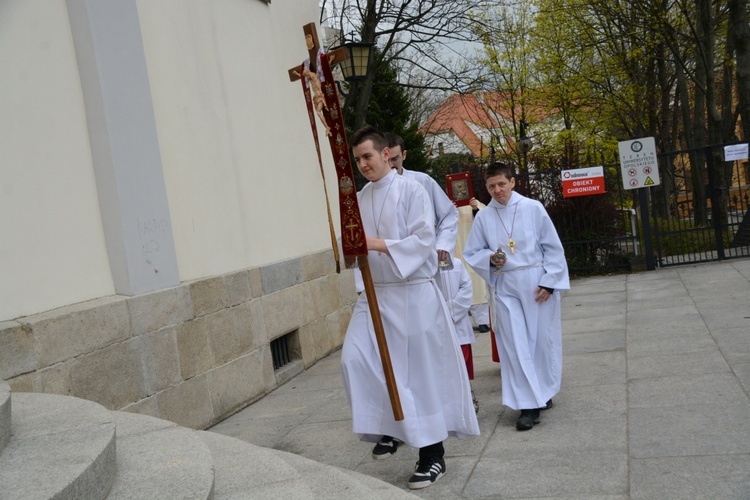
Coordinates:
52	248
242	178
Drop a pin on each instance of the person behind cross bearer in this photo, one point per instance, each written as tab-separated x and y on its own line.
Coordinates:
457	290
479	311
427	362
446	213
514	247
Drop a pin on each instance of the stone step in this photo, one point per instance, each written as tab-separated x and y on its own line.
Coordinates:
63	447
60	447
5	419
242	468
158	459
331	482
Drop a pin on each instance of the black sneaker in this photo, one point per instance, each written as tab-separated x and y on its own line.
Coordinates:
527	420
483	328
427	472
549	405
386	447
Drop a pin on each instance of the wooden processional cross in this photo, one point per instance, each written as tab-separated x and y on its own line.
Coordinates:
322	100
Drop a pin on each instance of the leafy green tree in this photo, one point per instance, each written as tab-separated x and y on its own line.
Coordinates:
609	70
505	35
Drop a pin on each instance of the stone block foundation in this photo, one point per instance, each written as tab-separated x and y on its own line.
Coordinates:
193	354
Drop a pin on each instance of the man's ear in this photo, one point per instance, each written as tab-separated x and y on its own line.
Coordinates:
403	155
386	154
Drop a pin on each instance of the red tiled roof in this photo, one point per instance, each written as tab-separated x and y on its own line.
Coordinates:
460	109
454	114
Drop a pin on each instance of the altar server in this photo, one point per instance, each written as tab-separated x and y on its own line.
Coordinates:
514	247
427	362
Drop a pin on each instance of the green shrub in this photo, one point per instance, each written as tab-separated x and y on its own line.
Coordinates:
681	237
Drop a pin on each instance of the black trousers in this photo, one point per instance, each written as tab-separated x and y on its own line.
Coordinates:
432	451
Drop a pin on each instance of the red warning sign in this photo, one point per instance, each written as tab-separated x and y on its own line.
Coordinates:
583	182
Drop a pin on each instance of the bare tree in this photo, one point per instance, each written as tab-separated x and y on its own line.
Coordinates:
425	36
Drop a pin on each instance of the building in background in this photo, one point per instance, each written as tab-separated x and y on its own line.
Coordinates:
472	123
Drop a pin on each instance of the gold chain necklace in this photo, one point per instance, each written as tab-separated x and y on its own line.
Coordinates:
511	243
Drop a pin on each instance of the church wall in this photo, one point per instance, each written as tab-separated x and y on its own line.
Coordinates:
52	250
192	354
246	212
242	177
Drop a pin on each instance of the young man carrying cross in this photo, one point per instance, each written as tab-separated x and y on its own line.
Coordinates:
427	362
446	231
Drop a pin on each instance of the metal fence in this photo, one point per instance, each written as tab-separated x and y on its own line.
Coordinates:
669	224
702	211
600	233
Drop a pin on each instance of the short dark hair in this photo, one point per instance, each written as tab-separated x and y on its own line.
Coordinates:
395	140
369	133
499	168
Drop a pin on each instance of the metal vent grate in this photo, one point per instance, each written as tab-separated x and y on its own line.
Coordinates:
280	352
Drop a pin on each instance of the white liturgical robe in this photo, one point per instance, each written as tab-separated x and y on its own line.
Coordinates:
442	209
427	362
457	290
528	333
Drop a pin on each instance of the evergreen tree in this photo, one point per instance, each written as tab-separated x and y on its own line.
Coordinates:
389	111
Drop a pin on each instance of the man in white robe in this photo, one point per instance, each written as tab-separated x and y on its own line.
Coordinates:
457	290
525	284
446	228
479	310
427	362
445	216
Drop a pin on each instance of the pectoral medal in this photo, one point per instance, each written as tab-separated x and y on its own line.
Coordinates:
511	242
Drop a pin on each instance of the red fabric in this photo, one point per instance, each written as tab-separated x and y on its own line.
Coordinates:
495	355
352	232
469	360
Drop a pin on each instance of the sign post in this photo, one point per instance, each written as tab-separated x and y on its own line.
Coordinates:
640	168
638	162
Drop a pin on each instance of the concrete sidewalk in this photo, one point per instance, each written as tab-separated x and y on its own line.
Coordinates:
654	401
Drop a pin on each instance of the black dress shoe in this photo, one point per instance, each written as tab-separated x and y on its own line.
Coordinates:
483	328
527	420
549	405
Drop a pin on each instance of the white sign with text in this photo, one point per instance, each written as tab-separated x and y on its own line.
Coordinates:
735	152
638	162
